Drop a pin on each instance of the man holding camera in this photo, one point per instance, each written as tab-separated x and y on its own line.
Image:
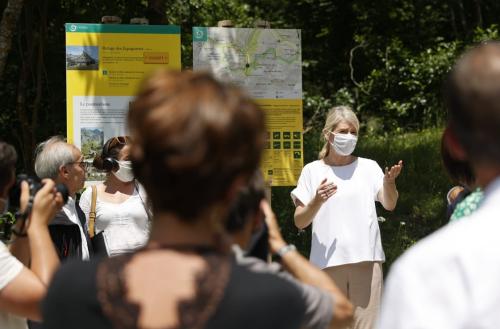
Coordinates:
21	289
250	215
64	163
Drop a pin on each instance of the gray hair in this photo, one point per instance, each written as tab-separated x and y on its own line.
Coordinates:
335	116
51	155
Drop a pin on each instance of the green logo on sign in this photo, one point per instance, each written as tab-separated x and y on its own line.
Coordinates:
200	33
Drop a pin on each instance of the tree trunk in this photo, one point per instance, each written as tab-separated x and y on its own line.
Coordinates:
479	14
156	13
40	65
453	19
461	11
22	116
8	26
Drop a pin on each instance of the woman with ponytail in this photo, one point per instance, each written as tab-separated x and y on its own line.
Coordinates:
121	213
337	194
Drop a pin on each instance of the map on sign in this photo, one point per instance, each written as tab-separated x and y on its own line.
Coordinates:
265	62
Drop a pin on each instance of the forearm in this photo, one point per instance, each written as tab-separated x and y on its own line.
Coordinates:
309	274
304	215
44	259
20	248
304	271
389	195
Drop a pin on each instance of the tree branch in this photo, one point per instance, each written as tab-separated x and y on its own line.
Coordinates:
351	66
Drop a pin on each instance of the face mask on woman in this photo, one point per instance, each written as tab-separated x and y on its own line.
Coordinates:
344	144
124	172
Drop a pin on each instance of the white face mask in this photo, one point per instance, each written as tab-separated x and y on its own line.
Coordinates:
124	172
344	144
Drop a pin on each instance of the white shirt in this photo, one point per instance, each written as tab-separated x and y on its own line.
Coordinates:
345	230
450	279
70	211
125	225
10	267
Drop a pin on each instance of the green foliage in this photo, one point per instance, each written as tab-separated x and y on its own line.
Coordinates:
405	91
422	186
6	222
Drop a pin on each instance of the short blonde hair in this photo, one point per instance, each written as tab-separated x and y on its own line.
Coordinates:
335	116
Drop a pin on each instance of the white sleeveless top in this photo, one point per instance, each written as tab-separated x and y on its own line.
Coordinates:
125	225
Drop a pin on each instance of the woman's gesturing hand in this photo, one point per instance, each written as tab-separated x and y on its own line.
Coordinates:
392	173
325	190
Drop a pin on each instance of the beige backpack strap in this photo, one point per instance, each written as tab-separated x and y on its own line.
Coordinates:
92	212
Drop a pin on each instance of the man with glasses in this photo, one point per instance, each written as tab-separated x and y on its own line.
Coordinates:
64	163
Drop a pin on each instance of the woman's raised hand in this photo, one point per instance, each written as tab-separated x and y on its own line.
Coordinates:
325	190
392	173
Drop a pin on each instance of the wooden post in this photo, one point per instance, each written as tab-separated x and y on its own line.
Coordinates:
259	23
111	20
225	23
139	21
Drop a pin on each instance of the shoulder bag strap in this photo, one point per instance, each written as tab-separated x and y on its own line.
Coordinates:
146	208
92	212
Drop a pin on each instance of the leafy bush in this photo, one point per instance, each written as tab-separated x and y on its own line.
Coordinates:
422	187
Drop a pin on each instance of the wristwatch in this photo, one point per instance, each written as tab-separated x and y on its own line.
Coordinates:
284	250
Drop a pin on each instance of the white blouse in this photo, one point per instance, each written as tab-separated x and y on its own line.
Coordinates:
126	225
345	230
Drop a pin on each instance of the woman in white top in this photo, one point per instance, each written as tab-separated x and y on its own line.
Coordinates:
337	194
121	210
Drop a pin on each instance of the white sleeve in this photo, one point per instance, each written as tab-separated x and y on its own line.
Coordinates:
304	192
421	299
85	200
10	267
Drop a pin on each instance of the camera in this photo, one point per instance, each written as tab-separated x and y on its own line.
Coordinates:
8	219
34	184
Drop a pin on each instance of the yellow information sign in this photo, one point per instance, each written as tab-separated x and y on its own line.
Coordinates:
104	66
283	158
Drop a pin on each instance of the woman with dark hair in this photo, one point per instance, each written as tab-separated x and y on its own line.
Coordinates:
196	142
121	213
463	199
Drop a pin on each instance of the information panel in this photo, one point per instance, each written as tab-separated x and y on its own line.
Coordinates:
104	66
267	63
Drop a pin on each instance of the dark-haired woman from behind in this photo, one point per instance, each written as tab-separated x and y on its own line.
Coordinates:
121	211
195	143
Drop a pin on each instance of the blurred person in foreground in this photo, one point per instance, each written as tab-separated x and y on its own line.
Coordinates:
22	288
251	221
195	143
451	278
121	213
63	162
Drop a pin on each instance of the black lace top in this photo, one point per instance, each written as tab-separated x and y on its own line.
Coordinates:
91	295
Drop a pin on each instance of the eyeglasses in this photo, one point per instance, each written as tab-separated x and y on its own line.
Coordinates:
82	164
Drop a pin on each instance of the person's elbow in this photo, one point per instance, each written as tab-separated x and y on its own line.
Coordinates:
390	206
298	223
35	313
343	314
